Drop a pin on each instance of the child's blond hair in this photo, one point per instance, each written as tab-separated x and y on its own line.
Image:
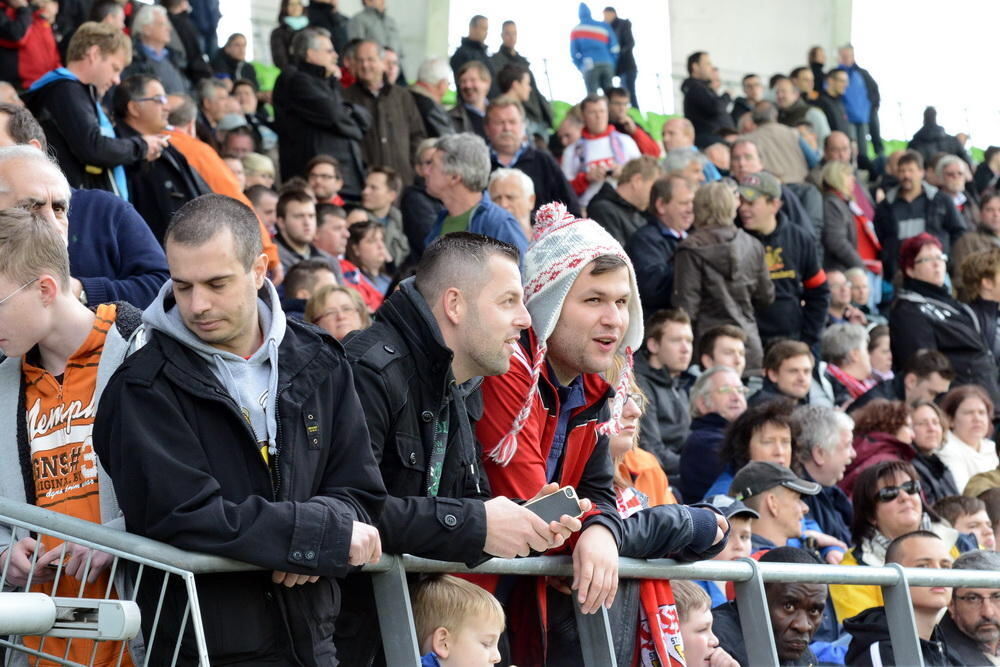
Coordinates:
689	597
444	601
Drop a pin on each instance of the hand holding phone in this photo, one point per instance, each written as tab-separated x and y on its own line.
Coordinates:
553	506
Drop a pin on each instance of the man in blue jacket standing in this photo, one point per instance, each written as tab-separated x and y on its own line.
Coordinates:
594	48
862	101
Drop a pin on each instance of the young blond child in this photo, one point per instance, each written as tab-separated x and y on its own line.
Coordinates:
701	646
458	623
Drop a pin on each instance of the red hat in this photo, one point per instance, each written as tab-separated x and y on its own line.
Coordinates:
912	246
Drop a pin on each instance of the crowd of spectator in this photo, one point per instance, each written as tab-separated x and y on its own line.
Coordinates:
305	325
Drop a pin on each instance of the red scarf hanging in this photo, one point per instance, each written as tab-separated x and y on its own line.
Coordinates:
854	386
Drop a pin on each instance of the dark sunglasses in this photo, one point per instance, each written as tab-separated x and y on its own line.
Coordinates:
889	493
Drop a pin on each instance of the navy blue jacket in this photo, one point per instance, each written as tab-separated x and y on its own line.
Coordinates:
112	251
700	464
831	509
489	220
651	250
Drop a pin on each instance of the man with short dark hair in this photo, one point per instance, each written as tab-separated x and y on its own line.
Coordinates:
927	375
618	105
473	81
296	225
795	610
537	107
871	643
324	176
661	371
652	247
626	68
832	101
301	281
971	628
473	47
397	127
723	345
621	209
753	92
416	370
912	207
311	116
788	366
194	447
794	110
702	105
382	187
801	295
505	133
331	232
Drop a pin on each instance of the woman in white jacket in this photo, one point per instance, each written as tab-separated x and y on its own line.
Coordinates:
967	450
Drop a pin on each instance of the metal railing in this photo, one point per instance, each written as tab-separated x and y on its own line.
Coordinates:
393	601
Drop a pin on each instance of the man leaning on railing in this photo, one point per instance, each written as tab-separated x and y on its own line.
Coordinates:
238	432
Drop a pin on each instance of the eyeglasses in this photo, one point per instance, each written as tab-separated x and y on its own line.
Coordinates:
937	258
343	310
159	99
730	389
638	399
325	177
9	296
889	493
977	600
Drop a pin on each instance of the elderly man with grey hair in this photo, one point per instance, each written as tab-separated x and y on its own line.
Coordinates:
458	174
971	627
823	440
513	191
718	397
953	176
844	348
152	31
432	82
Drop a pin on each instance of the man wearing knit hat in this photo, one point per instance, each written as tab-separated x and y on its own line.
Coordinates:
546	418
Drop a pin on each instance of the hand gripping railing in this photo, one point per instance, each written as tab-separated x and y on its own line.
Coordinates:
393	603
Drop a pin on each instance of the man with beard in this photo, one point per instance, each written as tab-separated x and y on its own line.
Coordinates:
795	610
971	627
417	370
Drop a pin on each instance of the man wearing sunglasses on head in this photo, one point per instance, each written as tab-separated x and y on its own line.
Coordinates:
159	187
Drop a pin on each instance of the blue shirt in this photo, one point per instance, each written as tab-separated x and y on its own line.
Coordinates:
570	398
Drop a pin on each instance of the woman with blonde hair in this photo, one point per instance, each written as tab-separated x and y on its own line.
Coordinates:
338	310
652	530
720	276
258	170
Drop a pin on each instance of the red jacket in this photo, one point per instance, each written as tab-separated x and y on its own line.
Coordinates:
586	465
872	448
37	52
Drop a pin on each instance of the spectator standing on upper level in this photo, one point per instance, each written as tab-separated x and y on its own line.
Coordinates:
862	100
831	100
473	47
594	48
537	106
753	92
626	69
932	139
703	106
291	19
374	23
793	109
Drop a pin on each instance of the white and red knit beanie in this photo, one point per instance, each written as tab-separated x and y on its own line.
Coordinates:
562	247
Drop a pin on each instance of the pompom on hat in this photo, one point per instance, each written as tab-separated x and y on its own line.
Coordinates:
562	247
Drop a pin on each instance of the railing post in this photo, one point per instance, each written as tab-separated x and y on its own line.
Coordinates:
595	637
755	618
395	616
902	627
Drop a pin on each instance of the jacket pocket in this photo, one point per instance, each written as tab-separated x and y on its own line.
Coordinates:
411	452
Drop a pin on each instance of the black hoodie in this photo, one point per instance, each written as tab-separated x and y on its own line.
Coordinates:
871	645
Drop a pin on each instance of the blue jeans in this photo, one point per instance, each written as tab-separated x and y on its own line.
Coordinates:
628	83
598	77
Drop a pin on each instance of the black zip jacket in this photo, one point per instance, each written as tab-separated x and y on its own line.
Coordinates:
942	220
871	647
546	174
402	372
801	295
187	471
665	424
925	316
706	111
65	109
618	217
964	647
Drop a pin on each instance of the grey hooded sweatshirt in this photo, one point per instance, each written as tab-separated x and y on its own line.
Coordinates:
252	383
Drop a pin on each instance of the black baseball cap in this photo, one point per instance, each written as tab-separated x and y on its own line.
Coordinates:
759	476
731	507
